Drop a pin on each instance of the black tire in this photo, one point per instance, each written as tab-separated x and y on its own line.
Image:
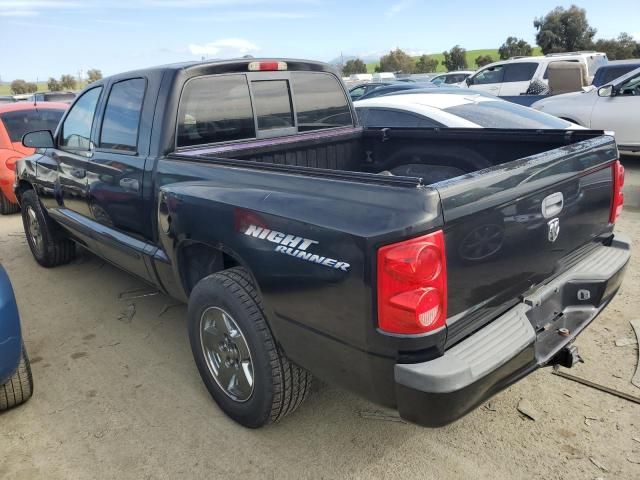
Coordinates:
279	386
54	248
19	387
6	207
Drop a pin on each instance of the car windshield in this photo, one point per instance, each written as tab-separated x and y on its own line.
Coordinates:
501	114
20	122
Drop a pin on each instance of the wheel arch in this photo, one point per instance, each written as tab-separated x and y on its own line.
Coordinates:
197	259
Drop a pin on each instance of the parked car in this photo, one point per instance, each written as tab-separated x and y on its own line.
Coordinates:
613	70
513	76
299	253
6	99
16	119
395	87
16	381
452	78
453	108
614	106
62	97
359	90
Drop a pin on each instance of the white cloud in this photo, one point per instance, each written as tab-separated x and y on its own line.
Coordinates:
18	13
225	47
399	7
239	16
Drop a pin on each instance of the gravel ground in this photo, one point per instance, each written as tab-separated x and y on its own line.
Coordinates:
117	395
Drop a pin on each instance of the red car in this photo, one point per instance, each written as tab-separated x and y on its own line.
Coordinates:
16	119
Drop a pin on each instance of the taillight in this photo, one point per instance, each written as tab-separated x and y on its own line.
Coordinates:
11	163
267	66
412	285
617	200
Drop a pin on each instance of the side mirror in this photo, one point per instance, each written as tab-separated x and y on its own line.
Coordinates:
468	81
606	91
38	139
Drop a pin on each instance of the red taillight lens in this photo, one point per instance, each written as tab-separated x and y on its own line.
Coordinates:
412	285
618	197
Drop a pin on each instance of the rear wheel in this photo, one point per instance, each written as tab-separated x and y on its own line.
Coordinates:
47	242
246	373
19	387
6	207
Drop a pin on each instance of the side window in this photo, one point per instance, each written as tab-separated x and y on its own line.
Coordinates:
122	115
272	102
320	101
489	75
631	87
356	93
520	72
215	109
75	133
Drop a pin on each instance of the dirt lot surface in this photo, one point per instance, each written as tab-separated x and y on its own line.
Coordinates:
117	395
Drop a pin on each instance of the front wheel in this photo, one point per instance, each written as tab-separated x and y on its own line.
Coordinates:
248	376
19	388
47	243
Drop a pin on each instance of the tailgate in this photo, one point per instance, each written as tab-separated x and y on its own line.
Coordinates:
517	225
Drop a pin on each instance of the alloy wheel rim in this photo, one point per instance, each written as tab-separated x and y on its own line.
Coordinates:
227	354
35	234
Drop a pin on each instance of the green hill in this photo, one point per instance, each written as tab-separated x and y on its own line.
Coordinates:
471	58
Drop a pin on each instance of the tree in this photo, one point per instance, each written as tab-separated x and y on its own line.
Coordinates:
619	48
53	85
354	66
68	82
455	59
32	87
93	74
396	61
514	47
426	64
483	60
564	30
18	87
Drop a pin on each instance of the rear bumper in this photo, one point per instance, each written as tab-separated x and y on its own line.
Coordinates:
525	338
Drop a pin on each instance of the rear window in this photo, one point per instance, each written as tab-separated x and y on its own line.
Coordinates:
215	109
320	101
501	114
273	104
21	122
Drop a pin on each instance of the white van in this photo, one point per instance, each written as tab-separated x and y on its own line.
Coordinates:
513	76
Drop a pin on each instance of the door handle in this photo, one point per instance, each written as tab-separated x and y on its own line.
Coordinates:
130	184
78	172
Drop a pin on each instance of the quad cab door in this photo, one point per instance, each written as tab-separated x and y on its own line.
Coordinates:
488	79
63	170
620	112
115	177
517	77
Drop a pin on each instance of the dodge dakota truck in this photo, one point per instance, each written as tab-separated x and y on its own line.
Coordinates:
425	269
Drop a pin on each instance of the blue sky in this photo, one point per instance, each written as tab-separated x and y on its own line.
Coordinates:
42	38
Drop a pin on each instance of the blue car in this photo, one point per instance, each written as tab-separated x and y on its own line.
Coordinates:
16	382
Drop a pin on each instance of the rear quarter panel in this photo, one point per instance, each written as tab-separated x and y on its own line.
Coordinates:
346	220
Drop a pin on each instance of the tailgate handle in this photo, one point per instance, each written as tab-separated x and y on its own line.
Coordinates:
552	205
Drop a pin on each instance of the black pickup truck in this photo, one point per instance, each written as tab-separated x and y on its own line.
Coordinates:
425	269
